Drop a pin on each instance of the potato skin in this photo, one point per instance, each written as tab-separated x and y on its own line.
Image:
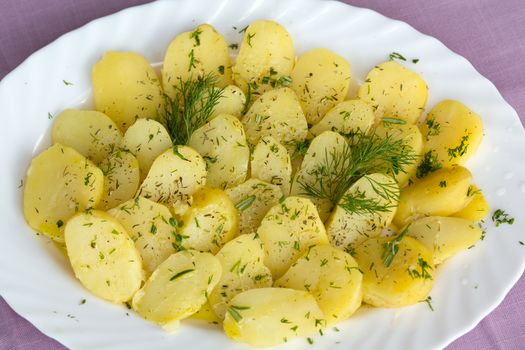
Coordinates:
266	55
195	54
103	256
59	183
396	91
452	131
320	79
440	193
408	279
93	134
270	316
126	88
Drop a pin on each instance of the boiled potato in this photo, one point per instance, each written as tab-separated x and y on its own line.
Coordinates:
477	209
269	316
231	102
287	230
121	178
151	227
265	58
412	141
347	229
222	144
253	199
91	133
178	288
271	162
346	117
277	113
178	172
126	87
103	256
210	222
195	54
207	314
320	79
397	91
453	132
333	278
444	236
146	139
59	183
405	279
313	168
242	269
441	193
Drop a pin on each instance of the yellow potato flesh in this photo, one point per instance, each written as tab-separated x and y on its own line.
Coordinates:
121	178
407	280
60	182
441	193
477	209
271	162
320	79
395	90
269	316
346	117
91	133
103	256
126	88
287	230
333	278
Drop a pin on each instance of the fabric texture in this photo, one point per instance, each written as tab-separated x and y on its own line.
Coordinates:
489	33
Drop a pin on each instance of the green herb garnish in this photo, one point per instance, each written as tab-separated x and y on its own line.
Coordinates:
180	274
245	203
428	165
500	217
391	248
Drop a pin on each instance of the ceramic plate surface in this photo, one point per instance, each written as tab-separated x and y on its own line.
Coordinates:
36	280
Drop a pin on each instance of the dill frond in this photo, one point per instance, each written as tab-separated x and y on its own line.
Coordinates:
191	107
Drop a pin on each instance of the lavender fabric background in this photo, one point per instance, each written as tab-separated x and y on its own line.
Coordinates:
489	33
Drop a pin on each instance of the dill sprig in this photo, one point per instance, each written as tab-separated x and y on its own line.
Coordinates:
364	154
391	248
191	106
359	203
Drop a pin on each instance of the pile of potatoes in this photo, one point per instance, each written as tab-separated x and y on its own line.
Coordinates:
220	229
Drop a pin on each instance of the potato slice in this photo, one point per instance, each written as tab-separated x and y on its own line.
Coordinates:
320	79
231	102
242	269
398	91
321	151
333	278
271	162
210	222
287	230
412	139
91	133
347	229
405	281
59	183
121	178
441	193
222	144
269	316
253	199
346	117
453	132
103	256
151	227
477	209
207	314
277	113
195	54
178	288
146	139
265	58
444	236
126	87
178	172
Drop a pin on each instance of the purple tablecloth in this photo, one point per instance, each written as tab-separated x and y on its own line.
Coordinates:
489	33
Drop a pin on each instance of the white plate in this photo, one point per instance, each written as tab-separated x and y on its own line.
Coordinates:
36	280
